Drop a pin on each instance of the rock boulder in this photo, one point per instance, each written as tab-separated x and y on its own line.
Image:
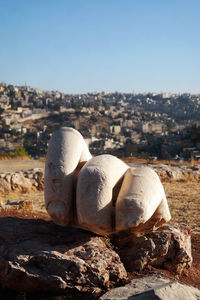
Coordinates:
153	287
36	255
40	256
168	247
22	181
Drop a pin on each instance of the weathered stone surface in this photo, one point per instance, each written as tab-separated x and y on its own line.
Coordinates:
66	150
4	185
168	247
175	172
22	181
97	182
36	255
141	203
153	287
107	196
19	182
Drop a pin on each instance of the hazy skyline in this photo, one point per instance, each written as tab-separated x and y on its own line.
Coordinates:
78	46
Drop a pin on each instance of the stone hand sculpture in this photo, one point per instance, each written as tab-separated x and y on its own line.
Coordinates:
66	150
101	194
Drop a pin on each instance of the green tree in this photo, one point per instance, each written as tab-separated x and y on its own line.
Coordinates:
20	151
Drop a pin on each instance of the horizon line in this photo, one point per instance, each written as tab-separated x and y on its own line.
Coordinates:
133	92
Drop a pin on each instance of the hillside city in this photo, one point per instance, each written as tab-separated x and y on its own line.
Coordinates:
145	125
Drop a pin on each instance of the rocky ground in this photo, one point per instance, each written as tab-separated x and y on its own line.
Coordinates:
181	186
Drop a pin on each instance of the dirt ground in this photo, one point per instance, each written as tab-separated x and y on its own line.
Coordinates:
13	165
183	199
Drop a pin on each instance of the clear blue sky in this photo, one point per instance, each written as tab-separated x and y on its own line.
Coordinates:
77	46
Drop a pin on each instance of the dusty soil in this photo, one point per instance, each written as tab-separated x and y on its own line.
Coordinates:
13	165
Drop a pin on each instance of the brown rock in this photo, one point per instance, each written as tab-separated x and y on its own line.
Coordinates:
39	179
153	287
19	182
36	255
4	185
22	181
168	247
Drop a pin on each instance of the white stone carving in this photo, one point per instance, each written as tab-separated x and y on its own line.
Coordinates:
94	193
106	195
141	203
66	150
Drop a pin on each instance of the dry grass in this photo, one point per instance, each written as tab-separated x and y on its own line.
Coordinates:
184	200
14	165
158	162
37	198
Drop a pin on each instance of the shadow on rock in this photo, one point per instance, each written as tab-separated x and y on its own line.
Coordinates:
36	255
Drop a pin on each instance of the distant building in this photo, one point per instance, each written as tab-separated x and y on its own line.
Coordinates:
115	129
